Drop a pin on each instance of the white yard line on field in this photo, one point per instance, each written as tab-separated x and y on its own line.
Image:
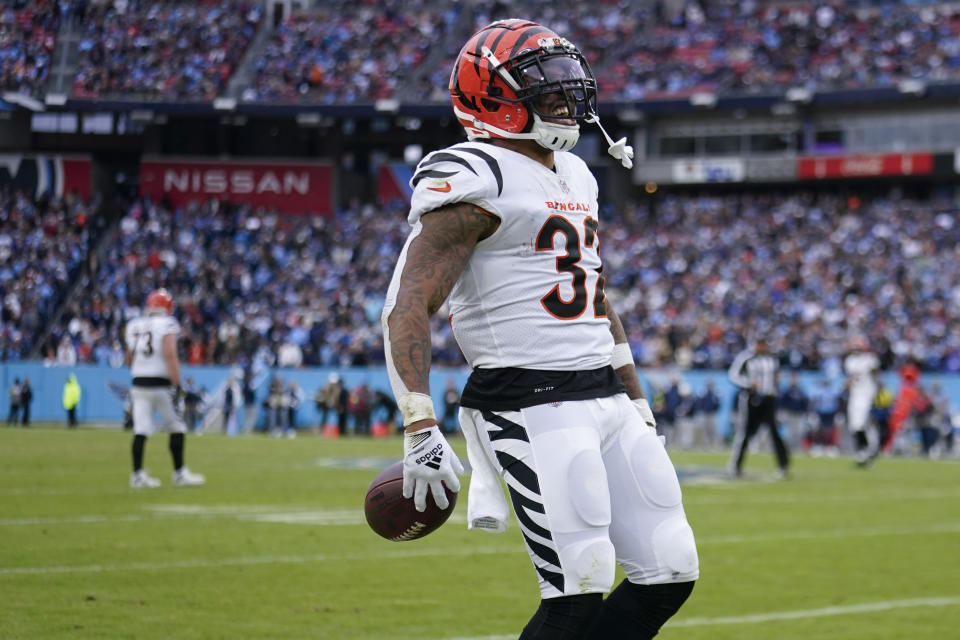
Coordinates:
400	554
257	560
255	513
819	534
354	517
866	607
740	498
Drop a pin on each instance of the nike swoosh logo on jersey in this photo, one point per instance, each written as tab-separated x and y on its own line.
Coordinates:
444	189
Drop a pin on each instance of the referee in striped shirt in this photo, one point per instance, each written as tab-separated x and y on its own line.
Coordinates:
755	372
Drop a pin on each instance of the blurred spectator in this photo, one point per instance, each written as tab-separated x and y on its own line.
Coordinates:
231	402
26	397
937	426
191	404
71	399
384	403
331	403
706	408
14	393
451	407
825	401
794	408
276	414
289	354
250	406
358	407
685	416
292	400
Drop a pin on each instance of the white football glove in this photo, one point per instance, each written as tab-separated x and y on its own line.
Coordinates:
429	462
643	408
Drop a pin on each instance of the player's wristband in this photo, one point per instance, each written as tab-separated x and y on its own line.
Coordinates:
415	407
622	356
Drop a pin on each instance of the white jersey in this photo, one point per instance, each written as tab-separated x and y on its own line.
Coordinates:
144	336
531	294
859	367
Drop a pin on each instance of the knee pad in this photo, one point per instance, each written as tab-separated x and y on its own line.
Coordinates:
588	565
675	547
590	562
652	470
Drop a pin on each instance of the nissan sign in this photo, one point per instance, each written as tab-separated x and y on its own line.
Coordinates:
285	186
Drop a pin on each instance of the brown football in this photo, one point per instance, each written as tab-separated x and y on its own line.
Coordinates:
394	517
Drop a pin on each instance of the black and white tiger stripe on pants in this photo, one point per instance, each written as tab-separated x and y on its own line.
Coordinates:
591	486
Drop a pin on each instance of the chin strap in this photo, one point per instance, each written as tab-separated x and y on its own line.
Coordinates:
619	149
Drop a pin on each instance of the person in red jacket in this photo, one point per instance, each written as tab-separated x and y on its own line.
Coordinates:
911	400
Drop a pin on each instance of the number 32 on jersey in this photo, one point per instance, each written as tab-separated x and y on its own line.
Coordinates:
569	262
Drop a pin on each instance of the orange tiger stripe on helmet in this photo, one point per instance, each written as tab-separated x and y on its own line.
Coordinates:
478	90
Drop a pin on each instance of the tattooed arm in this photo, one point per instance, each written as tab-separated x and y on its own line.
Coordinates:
627	373
435	259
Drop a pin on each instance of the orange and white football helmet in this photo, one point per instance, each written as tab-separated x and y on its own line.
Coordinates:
159	301
517	79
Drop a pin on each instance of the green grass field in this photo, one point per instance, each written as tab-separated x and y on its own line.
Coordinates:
275	546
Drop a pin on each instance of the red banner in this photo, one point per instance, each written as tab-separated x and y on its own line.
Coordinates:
864	166
290	187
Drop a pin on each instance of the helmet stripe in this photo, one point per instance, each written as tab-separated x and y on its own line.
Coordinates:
524	36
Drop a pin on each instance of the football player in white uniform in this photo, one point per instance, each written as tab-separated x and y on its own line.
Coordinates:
155	366
506	227
860	365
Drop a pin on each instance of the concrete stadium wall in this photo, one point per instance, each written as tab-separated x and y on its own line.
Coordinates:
100	401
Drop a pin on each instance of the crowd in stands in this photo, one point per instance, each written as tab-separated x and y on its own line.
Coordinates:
733	46
648	50
251	287
342	52
162	50
43	245
346	51
694	278
28	34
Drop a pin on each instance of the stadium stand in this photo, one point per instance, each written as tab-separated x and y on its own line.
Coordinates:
640	50
343	52
43	247
699	274
810	269
245	281
729	47
28	32
162	50
340	52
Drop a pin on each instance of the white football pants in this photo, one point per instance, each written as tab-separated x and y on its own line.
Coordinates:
592	486
150	401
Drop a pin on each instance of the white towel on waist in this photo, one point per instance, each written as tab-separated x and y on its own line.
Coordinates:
487	508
